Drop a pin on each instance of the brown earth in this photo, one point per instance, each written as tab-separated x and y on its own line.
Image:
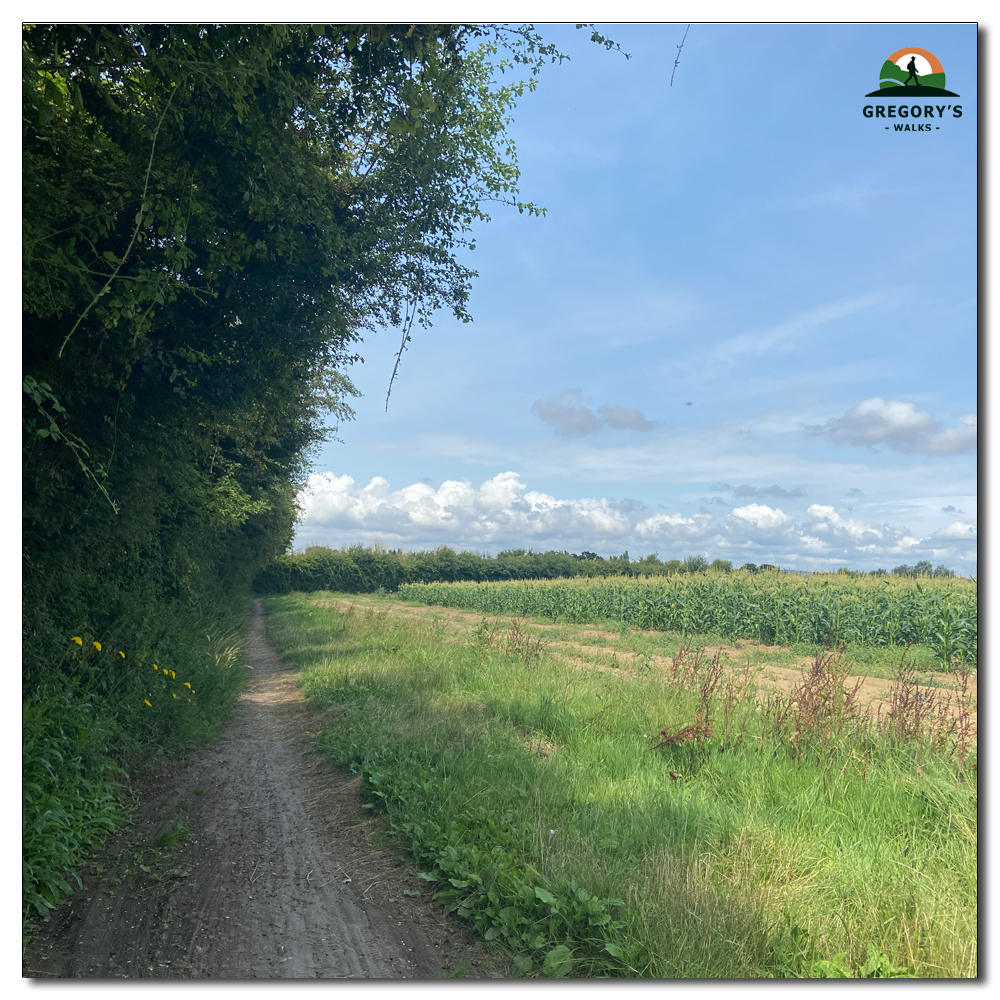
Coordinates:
278	877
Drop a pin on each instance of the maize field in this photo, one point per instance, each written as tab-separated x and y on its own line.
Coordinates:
772	608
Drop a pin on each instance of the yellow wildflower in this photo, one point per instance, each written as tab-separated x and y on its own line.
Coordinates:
173	694
121	654
155	667
78	640
187	685
97	645
146	701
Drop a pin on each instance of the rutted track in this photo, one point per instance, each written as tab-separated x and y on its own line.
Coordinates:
281	879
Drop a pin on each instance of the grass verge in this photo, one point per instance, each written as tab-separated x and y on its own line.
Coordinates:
668	822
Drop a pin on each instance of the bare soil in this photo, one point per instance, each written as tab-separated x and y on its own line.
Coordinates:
279	875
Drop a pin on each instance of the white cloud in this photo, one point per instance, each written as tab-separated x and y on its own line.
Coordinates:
760	516
958	529
503	513
456	513
962	438
900	425
569	416
676	527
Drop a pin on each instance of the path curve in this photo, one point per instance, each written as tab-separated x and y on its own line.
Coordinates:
275	862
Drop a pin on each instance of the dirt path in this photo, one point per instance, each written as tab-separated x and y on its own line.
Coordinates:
277	877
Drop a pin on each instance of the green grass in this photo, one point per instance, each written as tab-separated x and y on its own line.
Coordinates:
790	841
171	837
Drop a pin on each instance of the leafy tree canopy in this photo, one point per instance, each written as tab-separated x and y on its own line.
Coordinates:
213	217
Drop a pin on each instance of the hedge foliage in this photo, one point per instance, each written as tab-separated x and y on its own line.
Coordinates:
359	569
212	217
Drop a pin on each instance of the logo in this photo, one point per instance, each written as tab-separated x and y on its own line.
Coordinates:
911	73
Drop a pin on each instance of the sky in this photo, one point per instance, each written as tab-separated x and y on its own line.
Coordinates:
745	327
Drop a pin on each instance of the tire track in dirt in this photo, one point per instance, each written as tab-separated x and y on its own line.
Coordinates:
271	880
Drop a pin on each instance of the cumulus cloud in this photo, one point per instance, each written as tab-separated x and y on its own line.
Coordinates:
826	534
676	527
504	513
568	414
760	516
900	425
961	438
829	526
958	529
456	512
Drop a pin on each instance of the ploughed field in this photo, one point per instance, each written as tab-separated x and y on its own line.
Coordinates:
605	799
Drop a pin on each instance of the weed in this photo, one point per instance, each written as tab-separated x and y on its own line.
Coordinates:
171	837
799	957
515	642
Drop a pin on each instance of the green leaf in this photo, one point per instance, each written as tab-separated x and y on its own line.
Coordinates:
545	896
520	966
614	950
52	92
558	962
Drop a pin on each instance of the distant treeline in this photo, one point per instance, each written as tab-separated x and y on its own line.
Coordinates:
360	570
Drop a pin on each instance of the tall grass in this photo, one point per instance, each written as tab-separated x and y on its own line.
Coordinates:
767	607
664	822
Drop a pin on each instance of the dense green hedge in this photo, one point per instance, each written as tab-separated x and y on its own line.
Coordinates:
360	570
204	245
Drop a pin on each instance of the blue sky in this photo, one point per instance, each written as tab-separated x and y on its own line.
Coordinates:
746	326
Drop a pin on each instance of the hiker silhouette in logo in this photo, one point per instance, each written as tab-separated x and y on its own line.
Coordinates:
911	67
